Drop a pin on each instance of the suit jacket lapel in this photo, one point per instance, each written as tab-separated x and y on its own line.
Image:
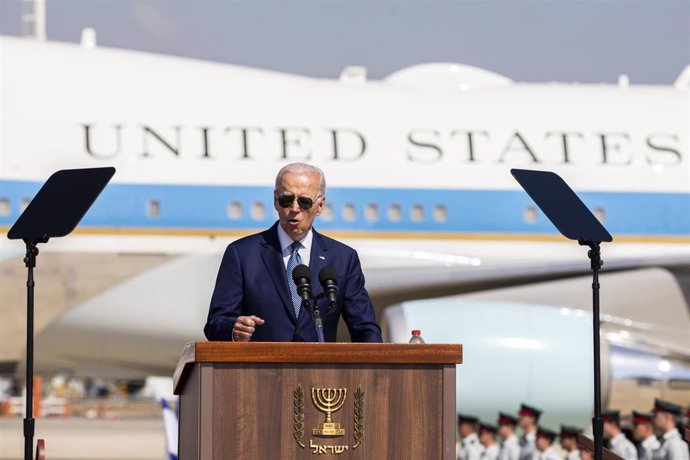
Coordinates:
273	259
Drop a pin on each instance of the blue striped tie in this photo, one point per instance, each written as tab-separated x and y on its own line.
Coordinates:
294	261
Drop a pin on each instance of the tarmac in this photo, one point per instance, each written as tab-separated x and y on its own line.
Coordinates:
77	438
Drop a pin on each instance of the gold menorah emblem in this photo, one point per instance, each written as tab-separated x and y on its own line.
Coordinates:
328	400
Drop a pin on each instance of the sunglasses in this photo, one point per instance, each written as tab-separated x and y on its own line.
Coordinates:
285	201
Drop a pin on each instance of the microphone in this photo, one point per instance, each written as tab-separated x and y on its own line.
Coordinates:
328	278
302	278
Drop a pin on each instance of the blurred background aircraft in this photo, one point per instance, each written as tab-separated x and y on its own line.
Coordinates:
417	164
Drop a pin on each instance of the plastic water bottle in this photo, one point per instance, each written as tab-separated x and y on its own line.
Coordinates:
416	337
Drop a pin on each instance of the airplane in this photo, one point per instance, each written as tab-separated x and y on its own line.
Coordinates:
417	167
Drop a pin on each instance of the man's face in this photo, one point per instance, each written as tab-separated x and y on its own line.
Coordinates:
663	421
297	221
610	430
642	431
505	431
543	443
466	429
486	438
526	421
568	442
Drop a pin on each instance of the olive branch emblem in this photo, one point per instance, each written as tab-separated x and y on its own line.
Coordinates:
298	403
359	417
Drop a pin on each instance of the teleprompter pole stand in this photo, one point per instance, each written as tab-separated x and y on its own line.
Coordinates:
575	221
29	423
55	211
596	263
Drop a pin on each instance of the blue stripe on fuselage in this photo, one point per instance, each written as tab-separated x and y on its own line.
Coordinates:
123	206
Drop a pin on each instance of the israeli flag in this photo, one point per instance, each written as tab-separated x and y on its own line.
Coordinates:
170	424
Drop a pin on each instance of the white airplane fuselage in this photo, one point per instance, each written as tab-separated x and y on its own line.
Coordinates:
417	167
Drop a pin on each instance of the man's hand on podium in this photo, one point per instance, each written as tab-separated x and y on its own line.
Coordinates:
244	327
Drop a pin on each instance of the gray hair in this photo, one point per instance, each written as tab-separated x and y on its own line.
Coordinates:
302	168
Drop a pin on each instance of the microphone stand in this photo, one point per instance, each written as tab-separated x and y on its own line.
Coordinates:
331	304
331	308
319	324
313	308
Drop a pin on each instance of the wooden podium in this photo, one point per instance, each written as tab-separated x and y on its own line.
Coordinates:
311	400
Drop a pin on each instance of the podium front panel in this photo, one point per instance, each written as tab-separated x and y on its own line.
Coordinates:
287	410
276	412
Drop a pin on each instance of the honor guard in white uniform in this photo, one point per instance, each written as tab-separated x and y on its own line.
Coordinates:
510	446
618	443
569	442
487	438
544	445
643	432
672	445
529	418
470	449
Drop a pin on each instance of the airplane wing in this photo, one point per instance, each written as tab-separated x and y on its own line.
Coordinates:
645	296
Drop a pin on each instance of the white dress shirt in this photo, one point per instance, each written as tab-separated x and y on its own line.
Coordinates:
285	242
648	447
573	455
528	445
623	448
471	449
549	454
510	448
672	447
490	453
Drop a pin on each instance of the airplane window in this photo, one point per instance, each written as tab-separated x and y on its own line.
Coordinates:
371	212
258	211
600	214
25	203
153	208
417	212
5	207
349	212
529	215
327	213
235	210
394	212
440	213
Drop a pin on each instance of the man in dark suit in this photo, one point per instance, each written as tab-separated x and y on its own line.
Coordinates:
255	297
